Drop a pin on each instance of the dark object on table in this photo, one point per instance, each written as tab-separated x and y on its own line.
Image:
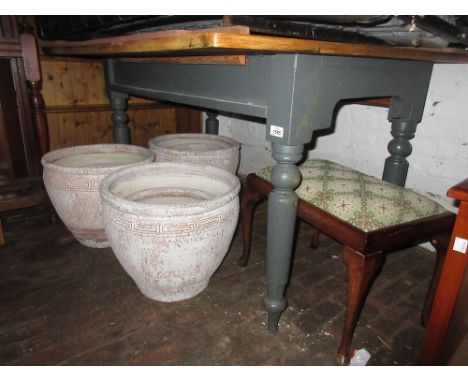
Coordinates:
428	31
89	26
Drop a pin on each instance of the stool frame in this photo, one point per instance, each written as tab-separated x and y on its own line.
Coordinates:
363	252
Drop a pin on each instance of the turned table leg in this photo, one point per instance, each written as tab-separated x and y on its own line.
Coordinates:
212	123
282	208
120	130
396	165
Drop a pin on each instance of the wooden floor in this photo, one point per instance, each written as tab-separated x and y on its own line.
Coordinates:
73	305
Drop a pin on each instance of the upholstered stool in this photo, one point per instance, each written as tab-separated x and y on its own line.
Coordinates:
367	215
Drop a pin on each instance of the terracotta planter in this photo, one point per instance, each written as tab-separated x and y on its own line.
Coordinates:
170	224
72	177
213	150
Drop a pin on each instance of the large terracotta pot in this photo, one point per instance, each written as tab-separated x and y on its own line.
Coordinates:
170	224
213	150
72	177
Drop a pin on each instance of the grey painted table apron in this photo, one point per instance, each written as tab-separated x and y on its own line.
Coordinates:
297	95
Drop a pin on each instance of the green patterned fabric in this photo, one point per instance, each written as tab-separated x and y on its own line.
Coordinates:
361	200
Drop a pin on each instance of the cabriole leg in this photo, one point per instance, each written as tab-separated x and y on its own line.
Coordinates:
361	271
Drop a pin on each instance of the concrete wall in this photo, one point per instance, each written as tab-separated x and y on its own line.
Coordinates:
361	133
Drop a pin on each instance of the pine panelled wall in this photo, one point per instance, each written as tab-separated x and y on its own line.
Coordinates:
79	113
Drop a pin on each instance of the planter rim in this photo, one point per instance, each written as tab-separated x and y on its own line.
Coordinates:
169	211
52	156
153	143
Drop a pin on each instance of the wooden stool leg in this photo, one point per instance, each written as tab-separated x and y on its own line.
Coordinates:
314	241
249	199
361	272
440	243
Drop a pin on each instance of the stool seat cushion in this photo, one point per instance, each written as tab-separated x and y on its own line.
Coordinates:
363	201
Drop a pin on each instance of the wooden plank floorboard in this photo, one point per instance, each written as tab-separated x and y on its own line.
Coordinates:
73	305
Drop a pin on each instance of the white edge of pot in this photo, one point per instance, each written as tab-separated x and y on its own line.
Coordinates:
153	144
138	208
52	156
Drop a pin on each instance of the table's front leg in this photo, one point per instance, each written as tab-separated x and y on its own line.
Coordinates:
282	207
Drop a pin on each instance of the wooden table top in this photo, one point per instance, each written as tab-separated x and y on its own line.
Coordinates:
228	42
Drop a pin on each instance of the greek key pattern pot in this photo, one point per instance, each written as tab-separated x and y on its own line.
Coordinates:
170	225
207	149
73	188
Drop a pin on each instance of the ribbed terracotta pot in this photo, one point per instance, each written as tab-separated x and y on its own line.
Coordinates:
72	177
170	225
212	150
